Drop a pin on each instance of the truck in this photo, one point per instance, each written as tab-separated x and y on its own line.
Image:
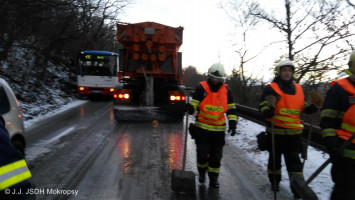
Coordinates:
150	71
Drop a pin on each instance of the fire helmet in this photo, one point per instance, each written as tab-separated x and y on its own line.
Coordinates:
217	71
286	62
351	64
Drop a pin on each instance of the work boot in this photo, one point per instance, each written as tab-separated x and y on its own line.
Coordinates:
213	180
296	196
278	180
275	187
201	175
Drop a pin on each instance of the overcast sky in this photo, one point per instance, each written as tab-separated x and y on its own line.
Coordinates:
207	29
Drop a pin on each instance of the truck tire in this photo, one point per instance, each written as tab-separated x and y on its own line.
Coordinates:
116	115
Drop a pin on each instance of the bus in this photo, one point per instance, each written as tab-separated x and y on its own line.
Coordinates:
97	73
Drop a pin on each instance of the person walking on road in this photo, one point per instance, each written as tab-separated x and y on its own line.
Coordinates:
14	173
338	125
212	99
282	103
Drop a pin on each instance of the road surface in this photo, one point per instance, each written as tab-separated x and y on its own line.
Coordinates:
84	153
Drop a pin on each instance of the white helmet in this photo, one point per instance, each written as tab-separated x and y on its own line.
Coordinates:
286	62
217	71
351	64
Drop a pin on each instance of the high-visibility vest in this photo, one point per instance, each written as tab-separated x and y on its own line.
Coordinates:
212	109
13	173
288	108
348	122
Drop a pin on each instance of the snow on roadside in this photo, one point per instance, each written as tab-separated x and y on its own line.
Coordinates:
28	123
322	184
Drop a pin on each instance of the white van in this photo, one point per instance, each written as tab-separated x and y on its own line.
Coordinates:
10	109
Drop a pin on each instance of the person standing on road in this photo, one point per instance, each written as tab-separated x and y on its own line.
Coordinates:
14	173
282	103
212	99
338	125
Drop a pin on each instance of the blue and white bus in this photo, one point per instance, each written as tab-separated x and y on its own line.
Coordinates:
97	73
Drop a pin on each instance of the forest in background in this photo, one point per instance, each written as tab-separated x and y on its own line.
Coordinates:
40	41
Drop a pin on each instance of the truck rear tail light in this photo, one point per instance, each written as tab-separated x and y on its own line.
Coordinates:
122	96
175	98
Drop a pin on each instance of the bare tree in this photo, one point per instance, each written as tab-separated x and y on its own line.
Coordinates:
350	3
316	34
191	77
39	39
242	82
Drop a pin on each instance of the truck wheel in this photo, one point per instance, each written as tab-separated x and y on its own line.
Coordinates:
116	115
181	116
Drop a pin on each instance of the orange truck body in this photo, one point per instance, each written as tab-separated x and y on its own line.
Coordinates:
150	48
150	67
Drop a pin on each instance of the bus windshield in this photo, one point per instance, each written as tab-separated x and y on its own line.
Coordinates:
97	65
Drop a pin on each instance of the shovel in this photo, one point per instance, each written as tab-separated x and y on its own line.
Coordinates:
301	186
271	99
184	181
273	159
305	148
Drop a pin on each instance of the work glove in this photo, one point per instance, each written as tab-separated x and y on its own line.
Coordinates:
335	155
271	99
269	113
232	131
232	127
263	140
311	109
316	98
271	103
193	130
189	108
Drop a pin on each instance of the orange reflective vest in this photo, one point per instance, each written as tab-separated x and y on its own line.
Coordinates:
213	107
288	108
348	122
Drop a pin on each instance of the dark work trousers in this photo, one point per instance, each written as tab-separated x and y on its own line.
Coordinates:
209	148
290	147
20	191
343	175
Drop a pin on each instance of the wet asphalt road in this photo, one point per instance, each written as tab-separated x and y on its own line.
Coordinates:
84	153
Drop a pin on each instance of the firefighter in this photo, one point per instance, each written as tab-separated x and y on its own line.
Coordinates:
14	173
337	124
282	103
212	99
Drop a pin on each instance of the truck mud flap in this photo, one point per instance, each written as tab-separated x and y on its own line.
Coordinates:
130	113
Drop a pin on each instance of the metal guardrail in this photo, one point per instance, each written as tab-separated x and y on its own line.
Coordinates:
254	115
